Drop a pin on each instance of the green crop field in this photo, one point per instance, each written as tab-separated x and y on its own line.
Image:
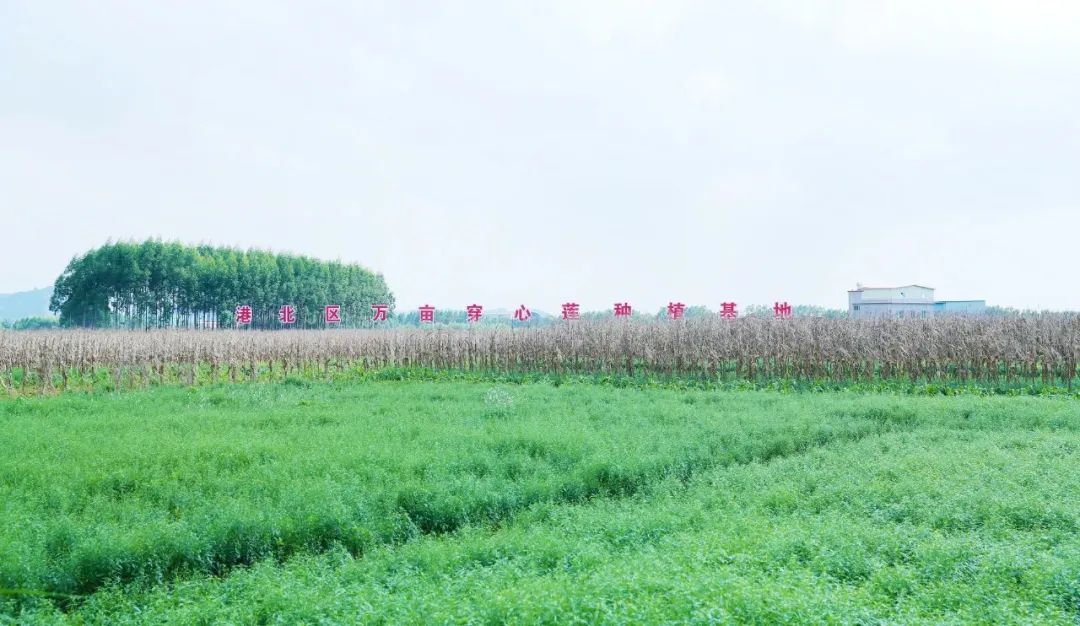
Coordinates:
477	502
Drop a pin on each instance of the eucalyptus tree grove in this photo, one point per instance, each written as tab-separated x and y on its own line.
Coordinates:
155	284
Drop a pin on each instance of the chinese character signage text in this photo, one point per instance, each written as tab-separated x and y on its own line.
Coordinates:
332	313
244	315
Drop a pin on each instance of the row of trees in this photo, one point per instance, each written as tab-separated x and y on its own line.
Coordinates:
30	323
155	284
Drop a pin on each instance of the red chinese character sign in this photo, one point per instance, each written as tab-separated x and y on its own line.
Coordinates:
379	312
571	311
473	312
522	314
675	310
287	314
728	311
427	314
332	314
244	315
623	309
782	310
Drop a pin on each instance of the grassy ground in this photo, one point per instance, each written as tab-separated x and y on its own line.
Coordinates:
439	502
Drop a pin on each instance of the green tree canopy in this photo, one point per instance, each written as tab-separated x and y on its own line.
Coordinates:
163	284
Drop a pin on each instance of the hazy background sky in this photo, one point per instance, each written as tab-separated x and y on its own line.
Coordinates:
539	152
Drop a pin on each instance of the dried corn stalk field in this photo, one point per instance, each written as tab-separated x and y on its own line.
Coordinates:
1036	349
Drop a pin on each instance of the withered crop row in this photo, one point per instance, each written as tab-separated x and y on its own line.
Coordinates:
1034	349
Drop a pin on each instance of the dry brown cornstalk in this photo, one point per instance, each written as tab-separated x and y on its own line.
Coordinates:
1029	349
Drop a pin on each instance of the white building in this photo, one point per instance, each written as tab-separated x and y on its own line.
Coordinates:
906	301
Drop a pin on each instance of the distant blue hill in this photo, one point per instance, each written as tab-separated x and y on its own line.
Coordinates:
16	306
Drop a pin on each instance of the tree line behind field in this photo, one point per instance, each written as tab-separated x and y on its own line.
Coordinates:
155	284
30	323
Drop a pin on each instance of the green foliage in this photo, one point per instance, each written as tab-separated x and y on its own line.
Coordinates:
159	284
205	480
32	323
421	502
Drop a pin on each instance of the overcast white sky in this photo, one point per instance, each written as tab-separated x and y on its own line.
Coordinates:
527	152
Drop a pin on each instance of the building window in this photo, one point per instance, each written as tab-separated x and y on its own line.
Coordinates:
856	307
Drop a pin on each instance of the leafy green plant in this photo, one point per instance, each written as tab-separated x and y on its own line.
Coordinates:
402	503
